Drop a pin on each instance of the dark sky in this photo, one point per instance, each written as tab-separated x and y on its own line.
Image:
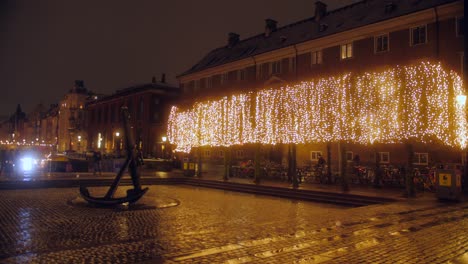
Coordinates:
45	45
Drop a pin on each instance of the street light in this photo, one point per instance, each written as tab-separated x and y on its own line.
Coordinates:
163	147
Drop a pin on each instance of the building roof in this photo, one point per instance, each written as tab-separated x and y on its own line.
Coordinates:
155	86
346	18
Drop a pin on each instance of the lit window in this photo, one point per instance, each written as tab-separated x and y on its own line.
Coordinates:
314	155
346	51
381	43
421	158
207	154
316	57
418	35
276	67
460	26
384	157
349	156
240	154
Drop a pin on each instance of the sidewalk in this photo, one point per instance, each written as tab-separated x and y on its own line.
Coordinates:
214	177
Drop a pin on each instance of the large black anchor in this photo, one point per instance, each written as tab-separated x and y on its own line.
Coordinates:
131	162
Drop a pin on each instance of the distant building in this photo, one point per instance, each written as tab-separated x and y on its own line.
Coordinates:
72	127
148	105
361	37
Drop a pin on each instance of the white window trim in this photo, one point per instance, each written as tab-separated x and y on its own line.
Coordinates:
380	157
418	154
317	153
376	40
411	35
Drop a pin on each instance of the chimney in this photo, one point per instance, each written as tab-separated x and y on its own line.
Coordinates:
320	10
233	38
270	26
163	78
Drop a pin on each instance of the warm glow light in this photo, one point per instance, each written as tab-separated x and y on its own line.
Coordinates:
461	99
415	102
117	134
164	139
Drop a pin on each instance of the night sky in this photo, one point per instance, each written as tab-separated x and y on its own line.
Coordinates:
45	45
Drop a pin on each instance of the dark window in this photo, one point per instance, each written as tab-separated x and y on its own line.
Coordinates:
141	109
276	67
418	35
381	43
460	26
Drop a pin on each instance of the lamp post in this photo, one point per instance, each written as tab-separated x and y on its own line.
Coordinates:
117	136
79	143
163	147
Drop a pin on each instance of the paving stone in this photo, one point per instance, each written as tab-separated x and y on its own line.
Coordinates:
181	224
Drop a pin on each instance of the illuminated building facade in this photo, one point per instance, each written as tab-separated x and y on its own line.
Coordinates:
148	105
365	38
71	129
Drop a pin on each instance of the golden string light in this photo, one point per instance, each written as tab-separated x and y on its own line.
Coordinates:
415	102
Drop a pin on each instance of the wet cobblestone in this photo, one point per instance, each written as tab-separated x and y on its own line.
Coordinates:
180	224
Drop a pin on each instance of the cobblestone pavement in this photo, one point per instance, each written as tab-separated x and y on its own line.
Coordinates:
183	224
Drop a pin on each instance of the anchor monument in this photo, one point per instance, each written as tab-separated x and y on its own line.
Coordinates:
131	162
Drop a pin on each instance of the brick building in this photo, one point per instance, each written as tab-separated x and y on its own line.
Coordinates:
148	105
361	37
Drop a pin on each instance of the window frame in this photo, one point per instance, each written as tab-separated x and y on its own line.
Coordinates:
347	157
377	42
347	52
209	82
241	75
224	78
316	57
239	154
276	67
418	155
314	155
381	159
412	43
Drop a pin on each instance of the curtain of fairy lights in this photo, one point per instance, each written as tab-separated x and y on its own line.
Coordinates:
416	102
